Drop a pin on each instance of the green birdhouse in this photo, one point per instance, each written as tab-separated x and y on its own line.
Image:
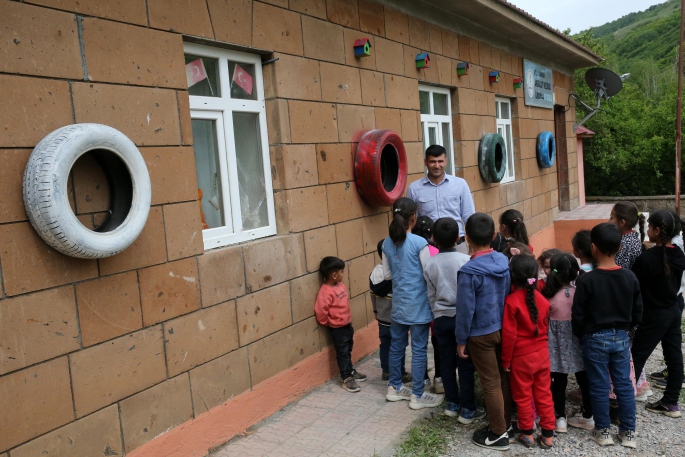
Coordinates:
362	47
423	60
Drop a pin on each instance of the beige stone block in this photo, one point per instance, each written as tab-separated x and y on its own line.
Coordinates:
40	399
444	66
172	174
415	157
196	338
475	51
278	121
374	229
303	292
108	307
323	40
358	311
183	100
106	373
153	57
450	44
316	8
350	239
292	77
371	17
37	327
280	351
276	28
169	290
466	100
12	165
313	122
263	313
419	33
294	166
354	121
183	228
222	276
219	380
39	41
388	118
340	84
465	49
99	433
360	269
132	11
335	162
180	16
402	92
396	26
410	125
155	411
476	77
319	243
344	202
273	261
307	208
435	36
343	12
373	88
232	20
389	56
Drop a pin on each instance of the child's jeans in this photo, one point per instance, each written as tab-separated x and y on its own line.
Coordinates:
419	346
343	340
385	336
608	352
530	383
443	329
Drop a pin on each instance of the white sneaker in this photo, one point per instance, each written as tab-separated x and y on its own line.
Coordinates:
602	437
426	401
437	386
627	438
580	422
561	425
404	393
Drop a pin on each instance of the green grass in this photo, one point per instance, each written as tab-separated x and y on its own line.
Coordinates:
428	437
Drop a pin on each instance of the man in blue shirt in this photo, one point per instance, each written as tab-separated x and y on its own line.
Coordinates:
441	195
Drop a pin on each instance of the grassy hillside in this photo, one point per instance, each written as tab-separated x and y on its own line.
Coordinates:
620	27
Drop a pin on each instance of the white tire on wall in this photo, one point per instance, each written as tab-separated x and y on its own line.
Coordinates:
46	195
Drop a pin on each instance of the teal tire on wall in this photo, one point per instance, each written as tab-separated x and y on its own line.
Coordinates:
546	150
492	157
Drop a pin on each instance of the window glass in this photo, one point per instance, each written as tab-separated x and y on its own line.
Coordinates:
432	136
253	206
207	169
447	144
440	104
497	110
242	80
424	98
202	74
504	110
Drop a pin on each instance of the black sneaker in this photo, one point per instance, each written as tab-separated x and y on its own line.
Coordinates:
663	374
491	441
662	408
512	431
661	383
350	385
358	376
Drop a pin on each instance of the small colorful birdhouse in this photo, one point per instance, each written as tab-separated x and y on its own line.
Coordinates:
462	68
518	83
494	77
423	60
362	47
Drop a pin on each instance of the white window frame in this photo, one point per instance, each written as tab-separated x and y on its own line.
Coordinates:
220	109
435	120
510	172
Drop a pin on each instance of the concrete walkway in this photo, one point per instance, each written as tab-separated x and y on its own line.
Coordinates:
332	422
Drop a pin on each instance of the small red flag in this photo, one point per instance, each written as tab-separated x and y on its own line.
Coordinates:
195	72
243	79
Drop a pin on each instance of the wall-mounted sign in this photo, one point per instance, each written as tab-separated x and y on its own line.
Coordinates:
539	86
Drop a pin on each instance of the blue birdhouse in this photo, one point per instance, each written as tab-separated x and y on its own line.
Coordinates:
362	47
462	68
494	77
423	60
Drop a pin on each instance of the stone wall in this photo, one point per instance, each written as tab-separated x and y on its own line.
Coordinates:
119	350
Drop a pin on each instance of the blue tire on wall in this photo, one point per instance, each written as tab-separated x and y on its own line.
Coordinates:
546	150
492	157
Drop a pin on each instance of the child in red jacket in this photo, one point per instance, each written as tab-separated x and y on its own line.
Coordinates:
525	353
332	309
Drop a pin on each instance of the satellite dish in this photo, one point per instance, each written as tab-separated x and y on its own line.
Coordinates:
605	83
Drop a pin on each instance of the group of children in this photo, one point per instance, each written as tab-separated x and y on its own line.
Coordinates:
523	330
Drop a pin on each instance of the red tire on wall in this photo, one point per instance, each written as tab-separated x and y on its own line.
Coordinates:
380	167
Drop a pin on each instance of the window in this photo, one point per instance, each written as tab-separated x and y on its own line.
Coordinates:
503	112
231	145
436	120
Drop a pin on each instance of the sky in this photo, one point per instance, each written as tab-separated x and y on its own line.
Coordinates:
580	15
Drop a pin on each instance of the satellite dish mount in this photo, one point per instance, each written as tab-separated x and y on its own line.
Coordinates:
605	83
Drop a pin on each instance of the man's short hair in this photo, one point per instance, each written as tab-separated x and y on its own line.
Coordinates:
435	150
607	237
480	228
445	232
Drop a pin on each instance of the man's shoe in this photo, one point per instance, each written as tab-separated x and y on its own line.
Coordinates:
663	374
491	441
386	376
358	376
662	408
426	401
403	393
467	416
452	409
512	431
350	385
437	386
561	425
627	438
602	436
581	422
661	383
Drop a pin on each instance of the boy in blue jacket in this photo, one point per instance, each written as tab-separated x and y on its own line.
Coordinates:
483	283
